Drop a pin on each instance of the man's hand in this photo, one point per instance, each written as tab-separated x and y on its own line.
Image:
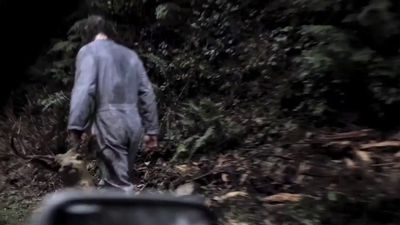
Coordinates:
151	143
74	139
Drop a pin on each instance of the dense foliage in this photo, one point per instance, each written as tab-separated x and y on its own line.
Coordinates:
350	65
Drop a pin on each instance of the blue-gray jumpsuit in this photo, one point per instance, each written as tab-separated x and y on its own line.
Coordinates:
110	84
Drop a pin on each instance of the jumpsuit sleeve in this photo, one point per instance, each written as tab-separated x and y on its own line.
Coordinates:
147	100
82	103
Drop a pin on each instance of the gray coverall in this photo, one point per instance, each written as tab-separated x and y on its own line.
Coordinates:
110	84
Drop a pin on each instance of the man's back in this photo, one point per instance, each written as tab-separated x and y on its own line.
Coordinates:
113	77
117	74
110	84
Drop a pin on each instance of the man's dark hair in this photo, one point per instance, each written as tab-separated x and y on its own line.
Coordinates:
94	25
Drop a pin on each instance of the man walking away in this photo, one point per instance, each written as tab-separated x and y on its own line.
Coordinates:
110	84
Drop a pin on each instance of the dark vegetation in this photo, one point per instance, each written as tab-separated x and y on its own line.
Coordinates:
254	98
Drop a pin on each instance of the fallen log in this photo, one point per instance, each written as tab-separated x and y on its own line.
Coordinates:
363	156
380	145
340	144
46	161
283	198
351	136
346	135
230	195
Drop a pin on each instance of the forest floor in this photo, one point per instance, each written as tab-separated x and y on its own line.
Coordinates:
322	180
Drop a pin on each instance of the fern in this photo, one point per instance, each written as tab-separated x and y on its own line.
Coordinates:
160	63
77	28
205	127
54	100
59	47
203	140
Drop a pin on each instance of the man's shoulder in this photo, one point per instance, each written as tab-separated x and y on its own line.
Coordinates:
128	51
85	49
94	47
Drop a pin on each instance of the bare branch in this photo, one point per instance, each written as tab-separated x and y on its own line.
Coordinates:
46	161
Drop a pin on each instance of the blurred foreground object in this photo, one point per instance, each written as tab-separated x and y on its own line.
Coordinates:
118	208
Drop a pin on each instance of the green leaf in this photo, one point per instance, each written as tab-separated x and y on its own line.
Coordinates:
181	151
202	141
181	148
63	63
332	196
59	46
